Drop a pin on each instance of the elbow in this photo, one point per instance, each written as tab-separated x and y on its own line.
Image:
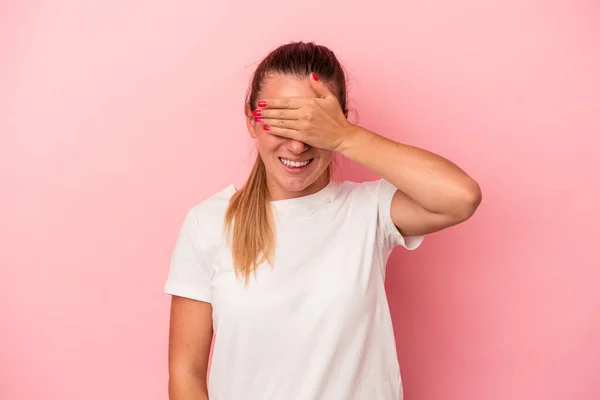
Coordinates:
471	199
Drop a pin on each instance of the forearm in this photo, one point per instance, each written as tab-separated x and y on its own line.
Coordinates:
187	387
434	182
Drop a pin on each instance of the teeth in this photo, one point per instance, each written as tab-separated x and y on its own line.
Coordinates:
295	164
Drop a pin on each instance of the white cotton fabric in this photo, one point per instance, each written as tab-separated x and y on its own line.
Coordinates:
317	325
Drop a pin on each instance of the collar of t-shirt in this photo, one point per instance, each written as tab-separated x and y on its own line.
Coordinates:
321	197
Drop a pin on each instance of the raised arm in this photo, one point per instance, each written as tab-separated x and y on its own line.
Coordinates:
190	338
433	193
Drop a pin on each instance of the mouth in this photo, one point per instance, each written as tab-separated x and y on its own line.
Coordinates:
295	166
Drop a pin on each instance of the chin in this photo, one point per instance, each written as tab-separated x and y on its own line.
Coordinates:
296	184
300	182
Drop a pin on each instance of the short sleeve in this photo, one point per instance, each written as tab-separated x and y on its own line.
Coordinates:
189	276
391	234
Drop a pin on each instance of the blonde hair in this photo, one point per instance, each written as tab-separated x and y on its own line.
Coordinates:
249	214
249	219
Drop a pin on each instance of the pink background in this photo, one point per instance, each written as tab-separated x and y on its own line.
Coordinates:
117	116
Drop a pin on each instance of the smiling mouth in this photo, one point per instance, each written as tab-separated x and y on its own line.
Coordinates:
295	164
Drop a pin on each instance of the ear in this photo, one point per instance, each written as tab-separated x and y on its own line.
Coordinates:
250	122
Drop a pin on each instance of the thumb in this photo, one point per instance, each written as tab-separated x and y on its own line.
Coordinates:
319	87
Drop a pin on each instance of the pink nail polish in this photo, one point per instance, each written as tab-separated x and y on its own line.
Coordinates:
315	77
257	113
257	119
266	127
262	103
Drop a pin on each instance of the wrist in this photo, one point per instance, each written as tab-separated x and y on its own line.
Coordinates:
353	138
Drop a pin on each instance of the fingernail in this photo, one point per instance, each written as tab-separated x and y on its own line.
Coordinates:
257	113
262	103
257	119
315	77
266	127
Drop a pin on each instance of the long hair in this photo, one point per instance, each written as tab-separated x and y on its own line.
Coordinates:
249	211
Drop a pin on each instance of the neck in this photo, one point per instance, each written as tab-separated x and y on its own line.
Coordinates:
278	192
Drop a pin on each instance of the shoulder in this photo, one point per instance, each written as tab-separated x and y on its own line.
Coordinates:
209	213
214	203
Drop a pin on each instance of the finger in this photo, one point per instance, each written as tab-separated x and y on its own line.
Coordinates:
282	123
282	102
277	114
319	87
282	132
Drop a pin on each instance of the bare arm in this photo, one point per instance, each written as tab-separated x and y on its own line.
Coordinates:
433	192
190	338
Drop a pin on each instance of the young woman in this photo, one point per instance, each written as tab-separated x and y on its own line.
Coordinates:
288	271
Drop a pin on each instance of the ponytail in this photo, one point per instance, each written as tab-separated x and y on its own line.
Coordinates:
250	216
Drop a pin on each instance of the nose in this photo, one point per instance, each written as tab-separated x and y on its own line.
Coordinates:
296	147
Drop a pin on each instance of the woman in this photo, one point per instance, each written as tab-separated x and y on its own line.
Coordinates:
288	271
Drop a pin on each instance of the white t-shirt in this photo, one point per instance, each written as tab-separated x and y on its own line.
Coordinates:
317	325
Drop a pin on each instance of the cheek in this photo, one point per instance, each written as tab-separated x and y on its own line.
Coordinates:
268	143
326	156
